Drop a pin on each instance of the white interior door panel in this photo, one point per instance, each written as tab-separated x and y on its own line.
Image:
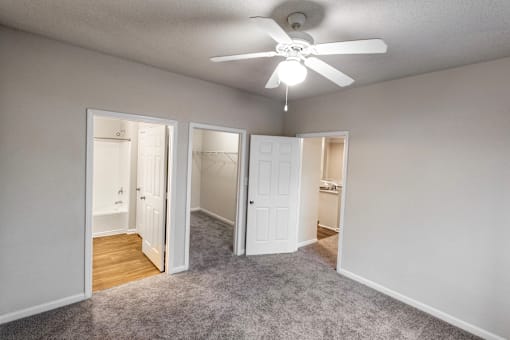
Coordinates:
152	160
273	195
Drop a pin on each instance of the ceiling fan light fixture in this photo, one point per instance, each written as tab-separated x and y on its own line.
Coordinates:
291	72
299	49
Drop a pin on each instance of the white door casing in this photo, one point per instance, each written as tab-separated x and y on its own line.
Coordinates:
140	204
152	160
273	194
311	175
172	127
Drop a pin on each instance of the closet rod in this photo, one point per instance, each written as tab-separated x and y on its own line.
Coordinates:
112	138
217	152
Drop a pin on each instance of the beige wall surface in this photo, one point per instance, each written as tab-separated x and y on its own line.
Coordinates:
45	89
218	189
214	176
335	161
428	186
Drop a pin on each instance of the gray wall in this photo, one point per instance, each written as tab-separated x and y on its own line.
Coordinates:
428	186
45	89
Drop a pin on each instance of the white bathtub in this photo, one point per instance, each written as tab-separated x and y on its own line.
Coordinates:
110	220
111	187
111	210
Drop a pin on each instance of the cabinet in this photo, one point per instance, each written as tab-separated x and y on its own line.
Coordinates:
329	208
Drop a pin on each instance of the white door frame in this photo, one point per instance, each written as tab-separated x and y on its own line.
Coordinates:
239	244
345	135
171	184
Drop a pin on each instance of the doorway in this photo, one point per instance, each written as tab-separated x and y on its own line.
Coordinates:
322	193
215	211
130	179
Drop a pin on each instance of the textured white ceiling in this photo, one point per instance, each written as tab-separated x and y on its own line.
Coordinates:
180	35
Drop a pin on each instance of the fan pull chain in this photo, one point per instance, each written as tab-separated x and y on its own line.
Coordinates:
286	107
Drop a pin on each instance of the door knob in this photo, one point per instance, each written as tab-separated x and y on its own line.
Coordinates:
251	202
142	197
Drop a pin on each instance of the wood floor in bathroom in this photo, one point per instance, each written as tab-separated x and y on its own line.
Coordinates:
119	259
324	232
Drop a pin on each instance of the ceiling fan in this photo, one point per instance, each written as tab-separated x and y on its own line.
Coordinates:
298	48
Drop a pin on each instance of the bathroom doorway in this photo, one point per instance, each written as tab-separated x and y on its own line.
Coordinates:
130	167
323	179
215	212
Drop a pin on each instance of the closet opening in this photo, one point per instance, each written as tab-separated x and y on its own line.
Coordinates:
215	213
129	184
322	196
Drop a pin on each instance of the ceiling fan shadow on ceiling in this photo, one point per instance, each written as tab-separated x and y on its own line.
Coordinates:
299	51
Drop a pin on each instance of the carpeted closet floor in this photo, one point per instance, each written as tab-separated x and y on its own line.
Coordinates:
291	296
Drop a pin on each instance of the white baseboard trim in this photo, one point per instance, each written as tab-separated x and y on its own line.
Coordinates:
195	209
221	218
306	243
178	269
131	231
330	228
111	232
423	307
23	313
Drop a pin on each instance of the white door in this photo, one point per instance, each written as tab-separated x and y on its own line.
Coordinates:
273	195
152	160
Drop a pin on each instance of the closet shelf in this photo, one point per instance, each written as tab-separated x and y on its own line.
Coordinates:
213	154
113	139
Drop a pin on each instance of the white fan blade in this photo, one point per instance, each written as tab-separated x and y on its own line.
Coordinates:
274	80
352	47
329	72
274	30
244	56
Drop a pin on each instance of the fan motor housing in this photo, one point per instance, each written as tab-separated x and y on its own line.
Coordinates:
300	46
301	41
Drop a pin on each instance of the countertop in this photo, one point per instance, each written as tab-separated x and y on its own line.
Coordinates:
332	192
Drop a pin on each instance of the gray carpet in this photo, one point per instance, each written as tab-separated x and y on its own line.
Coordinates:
324	250
292	296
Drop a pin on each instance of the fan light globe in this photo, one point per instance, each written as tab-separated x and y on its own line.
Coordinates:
291	72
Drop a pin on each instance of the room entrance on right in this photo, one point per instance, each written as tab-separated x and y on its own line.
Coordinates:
322	186
330	189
